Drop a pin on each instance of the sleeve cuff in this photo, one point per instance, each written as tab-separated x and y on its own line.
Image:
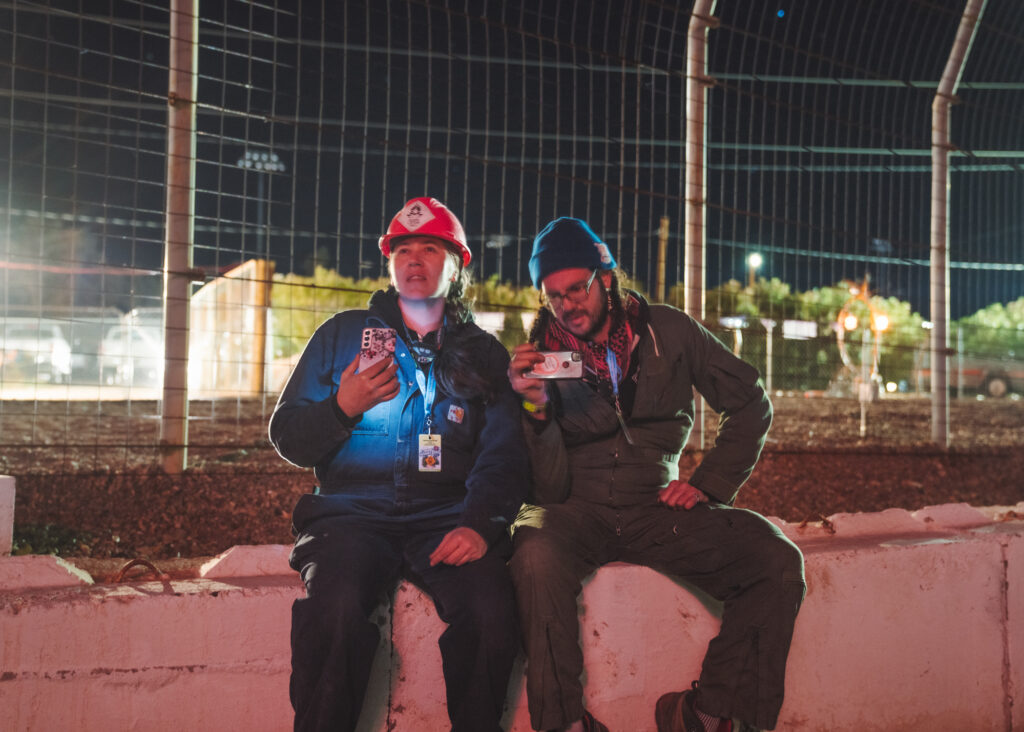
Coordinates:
715	488
489	530
345	420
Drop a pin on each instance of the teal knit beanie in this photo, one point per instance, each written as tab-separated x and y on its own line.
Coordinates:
564	244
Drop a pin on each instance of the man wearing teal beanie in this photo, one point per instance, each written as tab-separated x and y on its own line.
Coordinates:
604	452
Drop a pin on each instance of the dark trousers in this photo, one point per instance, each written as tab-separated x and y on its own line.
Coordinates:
736	556
348	565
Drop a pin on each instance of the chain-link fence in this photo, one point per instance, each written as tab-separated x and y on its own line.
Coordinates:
317	120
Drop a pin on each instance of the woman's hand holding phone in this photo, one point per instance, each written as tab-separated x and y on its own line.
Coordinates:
363	390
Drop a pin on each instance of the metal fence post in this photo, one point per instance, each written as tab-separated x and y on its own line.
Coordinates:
939	278
697	82
181	167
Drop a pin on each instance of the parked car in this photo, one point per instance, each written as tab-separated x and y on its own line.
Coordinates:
85	333
34	350
990	377
132	355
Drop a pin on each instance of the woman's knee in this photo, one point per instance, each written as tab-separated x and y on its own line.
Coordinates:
340	595
491	619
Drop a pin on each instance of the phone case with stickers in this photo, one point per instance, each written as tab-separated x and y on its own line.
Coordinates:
558	365
378	344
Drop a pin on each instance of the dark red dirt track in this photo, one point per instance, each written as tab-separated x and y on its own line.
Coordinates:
102	498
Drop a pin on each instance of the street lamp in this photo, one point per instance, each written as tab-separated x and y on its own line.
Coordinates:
753	262
879	324
875	322
264	162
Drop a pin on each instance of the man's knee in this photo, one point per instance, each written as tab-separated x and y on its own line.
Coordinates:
787	560
784	567
535	558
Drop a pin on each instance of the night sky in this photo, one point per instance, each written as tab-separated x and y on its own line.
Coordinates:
513	114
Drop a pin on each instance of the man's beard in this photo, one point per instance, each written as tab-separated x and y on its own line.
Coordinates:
602	317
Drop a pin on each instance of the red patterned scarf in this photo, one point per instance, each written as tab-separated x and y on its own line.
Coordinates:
595	363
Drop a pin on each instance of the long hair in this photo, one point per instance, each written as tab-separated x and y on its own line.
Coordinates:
458	307
462	367
616	296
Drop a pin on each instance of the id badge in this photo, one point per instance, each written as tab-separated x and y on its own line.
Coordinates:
430	453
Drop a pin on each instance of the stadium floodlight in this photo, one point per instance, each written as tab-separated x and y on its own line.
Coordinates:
264	163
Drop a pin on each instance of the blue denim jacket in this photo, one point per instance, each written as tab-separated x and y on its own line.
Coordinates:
372	468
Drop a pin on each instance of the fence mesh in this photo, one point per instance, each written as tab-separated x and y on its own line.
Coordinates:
317	120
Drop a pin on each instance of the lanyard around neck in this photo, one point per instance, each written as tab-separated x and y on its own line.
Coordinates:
421	351
614	373
613	370
428	387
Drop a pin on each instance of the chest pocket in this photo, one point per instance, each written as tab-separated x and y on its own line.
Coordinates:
459	423
375	421
584	416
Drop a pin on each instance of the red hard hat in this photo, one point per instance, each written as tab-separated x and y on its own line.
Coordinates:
426	217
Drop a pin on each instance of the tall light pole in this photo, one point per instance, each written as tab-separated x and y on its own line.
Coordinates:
498	242
753	262
264	162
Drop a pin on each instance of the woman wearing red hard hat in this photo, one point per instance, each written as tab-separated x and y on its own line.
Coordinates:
405	415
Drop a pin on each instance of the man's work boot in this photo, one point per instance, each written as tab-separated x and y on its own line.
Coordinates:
676	712
590	724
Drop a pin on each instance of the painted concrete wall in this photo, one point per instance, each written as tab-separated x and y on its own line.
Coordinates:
912	622
6	513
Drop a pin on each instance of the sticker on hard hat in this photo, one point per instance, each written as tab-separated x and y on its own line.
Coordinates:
602	248
414	215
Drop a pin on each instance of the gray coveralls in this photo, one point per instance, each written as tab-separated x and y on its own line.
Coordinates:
595	501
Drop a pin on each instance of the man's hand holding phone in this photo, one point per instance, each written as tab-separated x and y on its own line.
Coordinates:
530	389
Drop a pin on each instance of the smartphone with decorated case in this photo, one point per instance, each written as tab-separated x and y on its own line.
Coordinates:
558	365
377	344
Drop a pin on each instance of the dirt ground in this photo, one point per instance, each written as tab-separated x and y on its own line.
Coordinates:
88	485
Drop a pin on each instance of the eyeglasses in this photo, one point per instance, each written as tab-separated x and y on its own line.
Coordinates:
574	293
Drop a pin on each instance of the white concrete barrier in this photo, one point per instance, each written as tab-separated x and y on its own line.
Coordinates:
6	513
912	622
